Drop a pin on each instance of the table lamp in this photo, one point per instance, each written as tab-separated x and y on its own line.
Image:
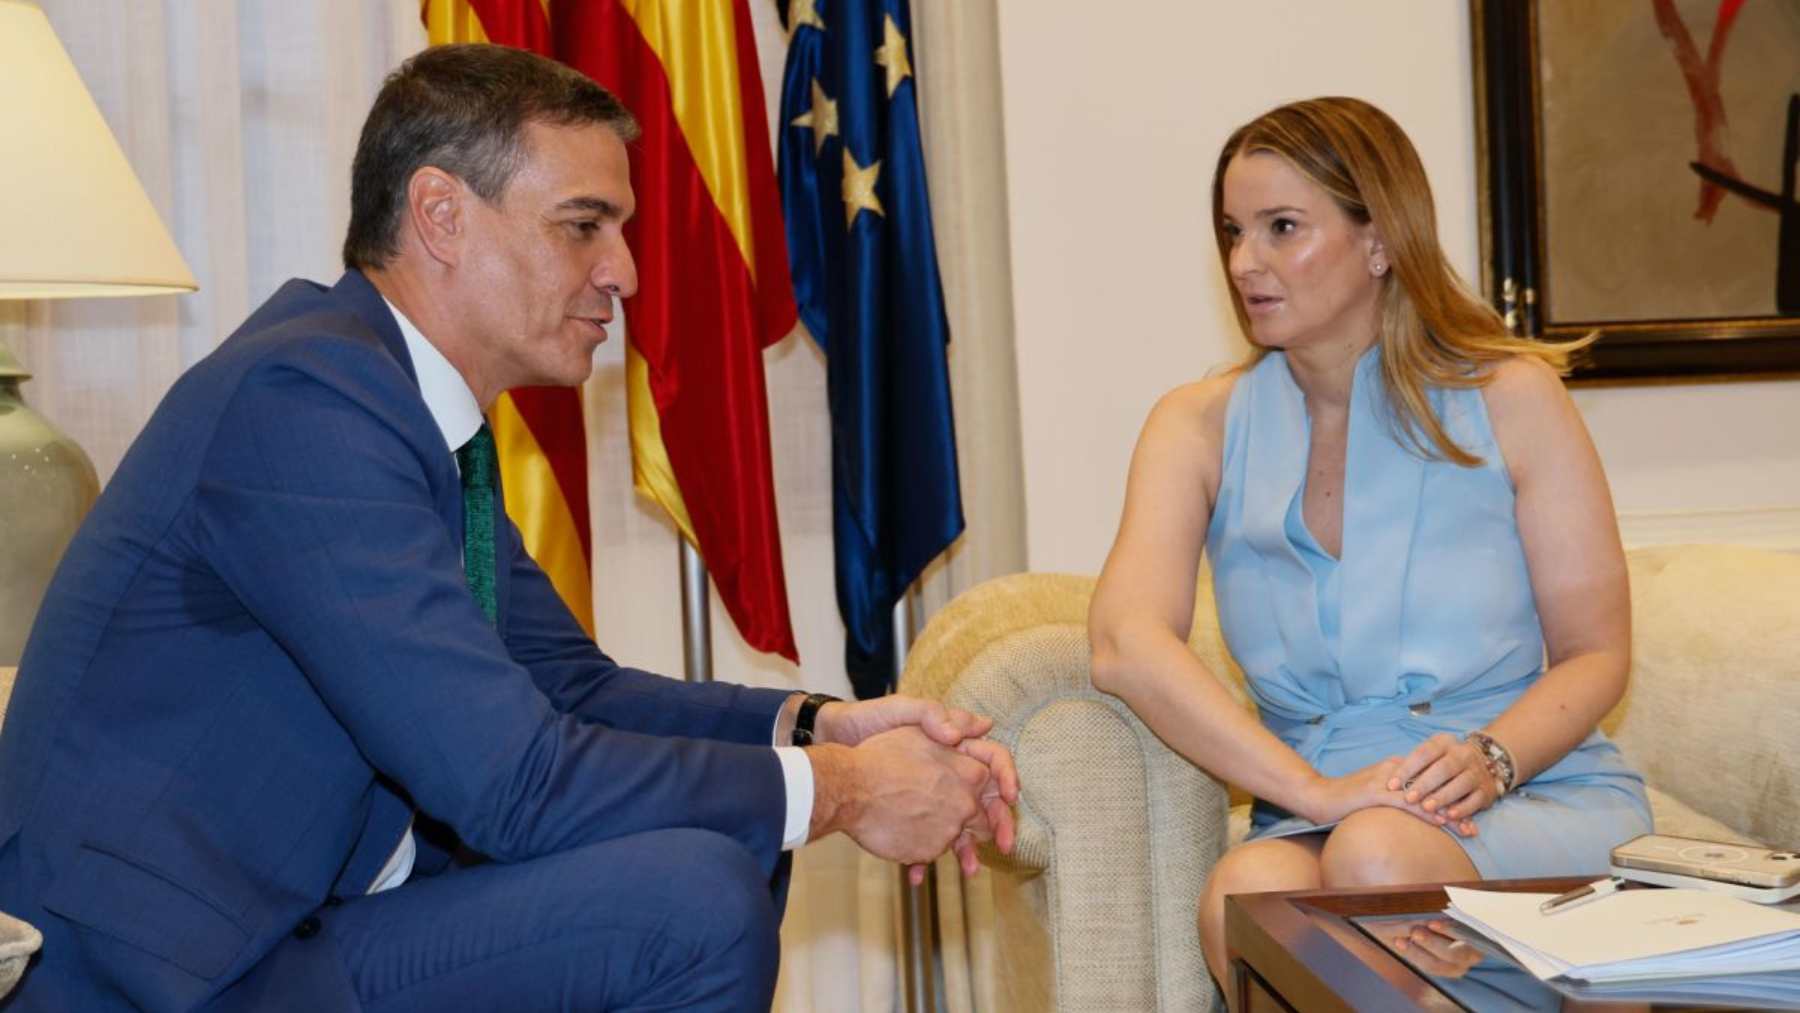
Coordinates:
74	221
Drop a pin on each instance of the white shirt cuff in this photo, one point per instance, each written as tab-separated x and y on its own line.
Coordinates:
399	865
797	771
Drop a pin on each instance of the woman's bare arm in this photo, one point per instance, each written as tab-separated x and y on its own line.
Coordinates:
1577	569
1142	609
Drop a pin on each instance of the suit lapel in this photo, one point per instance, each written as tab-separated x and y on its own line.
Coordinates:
355	292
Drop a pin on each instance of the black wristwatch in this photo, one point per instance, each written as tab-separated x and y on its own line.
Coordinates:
808	715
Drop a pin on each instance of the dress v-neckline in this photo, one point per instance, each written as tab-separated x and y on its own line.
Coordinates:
1297	507
1383	485
1317	544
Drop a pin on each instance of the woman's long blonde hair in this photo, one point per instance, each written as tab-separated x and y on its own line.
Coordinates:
1435	331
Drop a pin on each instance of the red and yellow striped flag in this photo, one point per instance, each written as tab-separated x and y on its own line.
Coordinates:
538	430
714	288
713	283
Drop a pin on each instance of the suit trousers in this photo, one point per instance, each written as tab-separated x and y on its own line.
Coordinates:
676	919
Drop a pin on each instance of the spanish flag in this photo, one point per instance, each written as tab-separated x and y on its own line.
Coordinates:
538	430
713	289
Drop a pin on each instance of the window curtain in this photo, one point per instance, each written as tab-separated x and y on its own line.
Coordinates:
843	916
958	49
240	119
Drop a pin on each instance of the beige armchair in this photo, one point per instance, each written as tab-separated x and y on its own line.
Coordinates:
18	940
1096	909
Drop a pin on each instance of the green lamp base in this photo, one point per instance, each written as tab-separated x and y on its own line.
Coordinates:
47	485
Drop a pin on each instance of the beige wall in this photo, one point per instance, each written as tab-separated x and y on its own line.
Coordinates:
1114	113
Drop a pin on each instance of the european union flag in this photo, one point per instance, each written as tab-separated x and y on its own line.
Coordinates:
866	277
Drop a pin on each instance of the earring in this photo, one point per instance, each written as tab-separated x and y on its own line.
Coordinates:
1379	268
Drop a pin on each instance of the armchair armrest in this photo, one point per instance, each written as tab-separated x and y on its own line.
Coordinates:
1116	833
18	940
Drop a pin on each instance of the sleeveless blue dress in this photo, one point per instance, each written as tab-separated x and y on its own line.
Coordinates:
1425	624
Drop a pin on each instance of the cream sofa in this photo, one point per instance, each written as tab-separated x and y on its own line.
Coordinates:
1095	910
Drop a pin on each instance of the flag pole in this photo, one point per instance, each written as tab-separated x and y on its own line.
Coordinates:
696	615
918	904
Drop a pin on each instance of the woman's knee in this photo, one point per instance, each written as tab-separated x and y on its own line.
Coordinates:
1260	866
1382	847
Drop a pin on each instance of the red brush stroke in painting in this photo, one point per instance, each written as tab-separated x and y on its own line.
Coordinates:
1728	12
1702	77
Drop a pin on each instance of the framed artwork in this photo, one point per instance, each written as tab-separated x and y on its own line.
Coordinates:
1637	167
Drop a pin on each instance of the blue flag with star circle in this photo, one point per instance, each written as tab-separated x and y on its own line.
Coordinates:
866	278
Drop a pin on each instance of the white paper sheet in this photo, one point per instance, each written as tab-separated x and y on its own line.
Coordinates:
1635	934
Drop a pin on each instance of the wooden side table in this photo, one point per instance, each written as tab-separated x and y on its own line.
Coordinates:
1299	950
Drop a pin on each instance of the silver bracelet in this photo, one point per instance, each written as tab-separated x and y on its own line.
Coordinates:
1498	758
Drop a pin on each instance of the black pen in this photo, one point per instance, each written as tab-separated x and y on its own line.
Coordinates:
1581	895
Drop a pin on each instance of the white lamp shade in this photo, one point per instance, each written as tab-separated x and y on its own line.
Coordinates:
74	220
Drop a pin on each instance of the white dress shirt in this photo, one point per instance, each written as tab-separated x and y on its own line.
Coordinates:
458	415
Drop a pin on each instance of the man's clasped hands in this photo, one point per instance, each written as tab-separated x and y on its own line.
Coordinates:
909	779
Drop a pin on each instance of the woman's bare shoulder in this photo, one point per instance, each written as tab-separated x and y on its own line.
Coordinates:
1522	378
1530	412
1197	408
1185	433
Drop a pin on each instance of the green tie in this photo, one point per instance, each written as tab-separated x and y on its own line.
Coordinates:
476	459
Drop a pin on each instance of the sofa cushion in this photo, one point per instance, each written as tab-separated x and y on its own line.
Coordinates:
1715	684
1237	826
1676	818
18	941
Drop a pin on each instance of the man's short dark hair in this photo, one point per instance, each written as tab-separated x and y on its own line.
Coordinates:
464	109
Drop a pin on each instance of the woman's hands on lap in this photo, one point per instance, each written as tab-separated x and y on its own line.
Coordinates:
1379	784
1447	778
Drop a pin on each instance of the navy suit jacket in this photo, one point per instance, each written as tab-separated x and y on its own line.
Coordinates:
260	654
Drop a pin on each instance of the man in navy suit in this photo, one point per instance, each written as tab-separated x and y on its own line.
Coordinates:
297	634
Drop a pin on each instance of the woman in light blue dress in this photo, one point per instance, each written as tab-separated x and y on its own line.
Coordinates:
1412	544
